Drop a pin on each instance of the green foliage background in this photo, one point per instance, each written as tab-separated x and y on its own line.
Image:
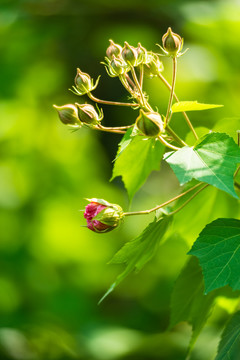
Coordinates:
53	271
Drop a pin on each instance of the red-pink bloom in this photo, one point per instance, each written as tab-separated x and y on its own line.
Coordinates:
102	216
91	211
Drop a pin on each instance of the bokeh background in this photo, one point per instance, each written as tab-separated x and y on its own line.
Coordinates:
52	270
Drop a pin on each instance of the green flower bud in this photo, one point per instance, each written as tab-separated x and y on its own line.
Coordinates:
172	43
142	54
153	66
68	114
117	67
83	83
113	50
150	123
88	115
129	54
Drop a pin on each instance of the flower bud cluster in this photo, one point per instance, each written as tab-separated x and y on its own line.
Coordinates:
79	114
120	60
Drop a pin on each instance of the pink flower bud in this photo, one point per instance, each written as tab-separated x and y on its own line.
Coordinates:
102	216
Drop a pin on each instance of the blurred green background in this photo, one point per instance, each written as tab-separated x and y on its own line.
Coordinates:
53	271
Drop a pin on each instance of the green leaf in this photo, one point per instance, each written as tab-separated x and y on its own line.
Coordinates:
127	138
213	160
136	160
229	347
192	106
188	301
136	253
218	251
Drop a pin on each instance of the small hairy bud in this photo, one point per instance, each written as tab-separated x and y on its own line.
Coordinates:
68	114
102	216
172	43
150	123
129	54
117	67
84	83
153	66
141	54
113	50
88	115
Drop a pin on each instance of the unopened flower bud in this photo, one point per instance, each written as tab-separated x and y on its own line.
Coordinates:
88	115
153	66
129	54
172	43
117	67
84	83
102	216
142	54
68	114
113	50
150	123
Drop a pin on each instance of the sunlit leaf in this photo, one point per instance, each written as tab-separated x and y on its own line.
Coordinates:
192	106
212	160
136	159
218	251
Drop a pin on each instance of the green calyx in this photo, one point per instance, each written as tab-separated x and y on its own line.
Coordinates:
129	54
68	114
150	123
172	43
88	115
84	83
113	50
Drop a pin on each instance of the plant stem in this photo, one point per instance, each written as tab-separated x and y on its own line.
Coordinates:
138	85
124	80
164	142
93	98
172	89
141	76
112	130
143	212
177	99
190	199
131	83
175	136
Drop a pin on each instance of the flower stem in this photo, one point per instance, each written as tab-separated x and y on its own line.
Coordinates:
164	142
175	136
144	212
138	85
93	98
177	99
112	130
172	89
190	199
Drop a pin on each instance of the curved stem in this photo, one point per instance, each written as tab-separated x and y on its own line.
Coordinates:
116	127
144	212
175	136
172	89
161	77
125	84
93	98
112	130
190	199
164	142
129	80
